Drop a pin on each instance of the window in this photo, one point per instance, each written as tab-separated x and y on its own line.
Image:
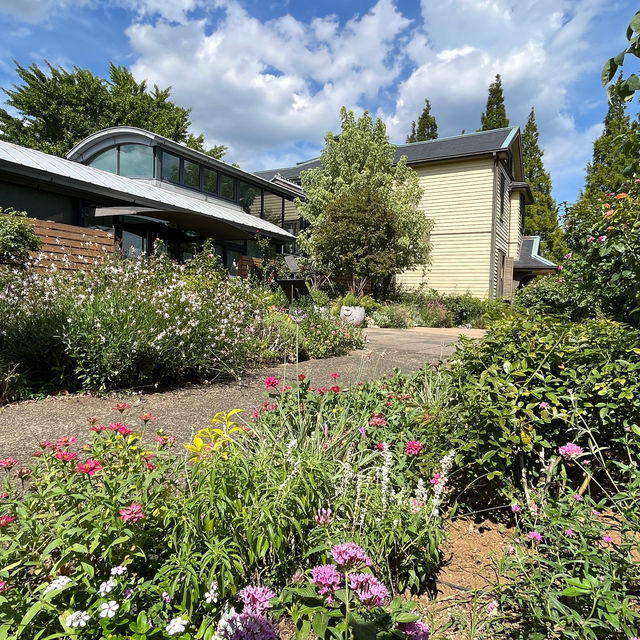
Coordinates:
170	167
503	183
210	181
226	187
136	160
107	160
249	198
192	174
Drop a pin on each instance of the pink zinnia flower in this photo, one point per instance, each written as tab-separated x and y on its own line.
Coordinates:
350	555
5	520
98	428
122	406
7	463
45	444
89	467
535	535
66	456
570	450
368	589
568	256
256	600
165	440
132	513
377	420
381	446
413	447
271	382
326	578
336	389
334	376
92	421
66	441
146	416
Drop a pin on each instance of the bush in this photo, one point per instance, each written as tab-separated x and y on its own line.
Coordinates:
393	316
17	238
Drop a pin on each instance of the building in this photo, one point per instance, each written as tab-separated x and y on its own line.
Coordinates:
146	187
474	191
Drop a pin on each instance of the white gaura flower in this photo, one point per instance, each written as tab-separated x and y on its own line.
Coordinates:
77	619
107	587
108	609
177	625
118	571
58	583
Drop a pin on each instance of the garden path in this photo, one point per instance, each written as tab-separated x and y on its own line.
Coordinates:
184	410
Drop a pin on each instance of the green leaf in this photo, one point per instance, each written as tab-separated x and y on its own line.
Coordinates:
608	71
320	624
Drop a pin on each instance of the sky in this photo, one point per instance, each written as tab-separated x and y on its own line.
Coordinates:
267	78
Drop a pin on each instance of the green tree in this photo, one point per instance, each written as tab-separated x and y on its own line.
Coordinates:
57	108
542	216
427	128
495	114
363	209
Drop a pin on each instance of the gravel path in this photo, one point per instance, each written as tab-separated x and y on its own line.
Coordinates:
184	410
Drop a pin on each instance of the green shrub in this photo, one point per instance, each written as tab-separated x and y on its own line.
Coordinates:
17	238
434	314
393	316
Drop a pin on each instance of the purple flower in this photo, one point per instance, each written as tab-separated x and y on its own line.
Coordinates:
607	539
577	497
368	589
323	517
246	626
326	578
350	555
544	405
417	630
535	535
515	508
568	532
570	450
256	600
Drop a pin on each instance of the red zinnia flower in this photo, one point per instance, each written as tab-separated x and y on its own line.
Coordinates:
336	389
334	376
271	382
90	466
301	377
413	447
5	520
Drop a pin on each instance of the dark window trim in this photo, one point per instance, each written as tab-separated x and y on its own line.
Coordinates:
503	188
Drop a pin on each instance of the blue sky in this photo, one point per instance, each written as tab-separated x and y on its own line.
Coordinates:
267	79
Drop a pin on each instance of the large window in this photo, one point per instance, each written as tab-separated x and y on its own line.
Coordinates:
136	160
107	160
226	187
192	174
170	167
210	181
249	198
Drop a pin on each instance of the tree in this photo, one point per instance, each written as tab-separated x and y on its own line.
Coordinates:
542	216
57	108
495	114
427	128
363	210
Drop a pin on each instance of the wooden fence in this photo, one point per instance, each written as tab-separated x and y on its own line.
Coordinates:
69	248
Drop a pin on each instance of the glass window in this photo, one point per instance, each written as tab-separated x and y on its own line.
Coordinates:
210	180
170	167
249	198
107	160
192	174
133	244
136	160
226	187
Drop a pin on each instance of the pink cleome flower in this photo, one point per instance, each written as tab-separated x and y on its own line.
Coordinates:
413	448
350	555
570	450
89	467
132	513
368	589
271	382
256	600
5	520
7	463
65	456
326	578
323	517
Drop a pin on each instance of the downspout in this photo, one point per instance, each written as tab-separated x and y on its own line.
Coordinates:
493	225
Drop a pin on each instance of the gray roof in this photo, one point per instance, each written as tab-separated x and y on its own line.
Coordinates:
529	259
466	145
17	160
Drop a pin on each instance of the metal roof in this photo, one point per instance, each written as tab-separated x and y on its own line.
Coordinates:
17	160
466	145
529	259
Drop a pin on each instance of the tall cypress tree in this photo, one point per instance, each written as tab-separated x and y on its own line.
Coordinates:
427	128
541	217
495	114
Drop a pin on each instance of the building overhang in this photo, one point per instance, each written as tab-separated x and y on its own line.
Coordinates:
524	189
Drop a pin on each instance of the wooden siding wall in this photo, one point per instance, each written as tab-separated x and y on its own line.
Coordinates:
69	248
458	197
515	232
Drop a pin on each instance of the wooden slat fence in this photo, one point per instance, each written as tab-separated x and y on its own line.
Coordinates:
69	248
246	264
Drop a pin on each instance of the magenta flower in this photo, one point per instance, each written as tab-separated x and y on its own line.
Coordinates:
323	517
377	420
368	589
271	382
7	463
544	405
334	376
602	238
326	578
417	630
350	555
607	539
246	626
568	532
122	406
363	432
3	586
577	497
89	467
413	447
535	535
67	456
132	513
570	450
256	600
516	508
99	428
568	256
65	441
436	478
5	520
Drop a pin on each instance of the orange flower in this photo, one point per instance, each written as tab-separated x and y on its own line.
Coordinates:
607	205
610	228
620	196
608	214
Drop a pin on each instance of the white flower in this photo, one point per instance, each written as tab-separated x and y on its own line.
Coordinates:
109	609
58	583
107	587
77	619
118	571
212	594
177	625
